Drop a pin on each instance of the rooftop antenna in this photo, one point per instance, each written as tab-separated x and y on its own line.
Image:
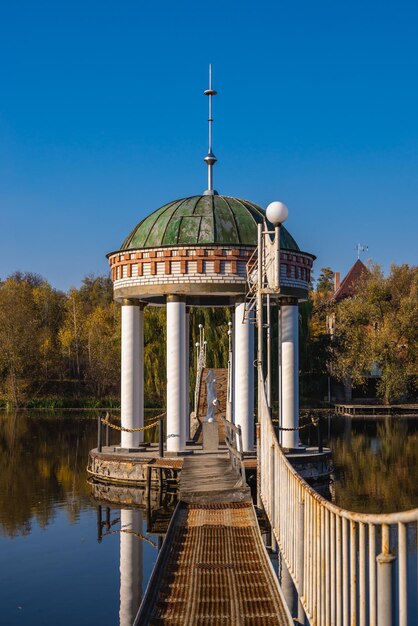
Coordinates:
360	248
210	158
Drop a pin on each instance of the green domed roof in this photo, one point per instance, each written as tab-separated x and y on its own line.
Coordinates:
202	220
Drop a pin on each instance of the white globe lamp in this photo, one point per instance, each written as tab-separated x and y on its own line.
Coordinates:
277	213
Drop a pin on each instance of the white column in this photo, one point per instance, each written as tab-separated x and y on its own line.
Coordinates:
130	565
243	405
176	360
132	373
141	372
290	374
186	377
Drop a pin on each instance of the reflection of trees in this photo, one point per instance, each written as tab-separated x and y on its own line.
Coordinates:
42	463
377	475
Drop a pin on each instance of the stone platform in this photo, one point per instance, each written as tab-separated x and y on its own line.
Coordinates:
130	468
311	464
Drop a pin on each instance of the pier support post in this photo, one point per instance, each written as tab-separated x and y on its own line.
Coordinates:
132	372
290	372
176	362
243	405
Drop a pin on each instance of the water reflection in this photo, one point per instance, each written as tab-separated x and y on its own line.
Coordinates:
48	515
48	525
135	526
376	463
42	464
131	565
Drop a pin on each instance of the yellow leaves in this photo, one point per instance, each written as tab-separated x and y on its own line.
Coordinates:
44	468
65	337
65	476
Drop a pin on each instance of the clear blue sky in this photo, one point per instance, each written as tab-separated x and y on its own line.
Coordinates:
102	120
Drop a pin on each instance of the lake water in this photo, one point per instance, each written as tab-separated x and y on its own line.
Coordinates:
376	463
65	561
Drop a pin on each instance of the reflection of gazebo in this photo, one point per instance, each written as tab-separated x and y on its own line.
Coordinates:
193	252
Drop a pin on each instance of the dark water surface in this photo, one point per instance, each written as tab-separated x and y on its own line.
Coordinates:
53	568
376	463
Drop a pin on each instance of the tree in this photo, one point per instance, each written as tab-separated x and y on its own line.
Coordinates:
325	282
72	334
155	332
395	338
19	340
96	291
103	349
377	328
50	305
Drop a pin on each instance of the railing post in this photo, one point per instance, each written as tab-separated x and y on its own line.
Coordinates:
320	446
99	432
107	436
301	557
403	574
272	481
241	451
258	440
160	438
385	568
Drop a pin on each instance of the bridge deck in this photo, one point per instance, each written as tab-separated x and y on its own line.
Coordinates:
213	567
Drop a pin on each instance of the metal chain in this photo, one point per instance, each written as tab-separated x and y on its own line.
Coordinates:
130	532
105	420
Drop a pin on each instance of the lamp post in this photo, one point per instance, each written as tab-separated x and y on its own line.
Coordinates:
277	213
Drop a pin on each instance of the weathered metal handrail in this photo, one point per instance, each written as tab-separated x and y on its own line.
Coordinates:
233	440
342	563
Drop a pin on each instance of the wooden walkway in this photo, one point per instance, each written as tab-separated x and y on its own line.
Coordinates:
213	567
221	376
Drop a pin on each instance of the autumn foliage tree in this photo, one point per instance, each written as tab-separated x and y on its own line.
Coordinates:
48	337
376	331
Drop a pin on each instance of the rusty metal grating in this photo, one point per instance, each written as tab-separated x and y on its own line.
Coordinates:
216	572
218	505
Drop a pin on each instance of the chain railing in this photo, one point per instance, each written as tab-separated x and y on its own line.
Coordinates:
103	418
349	569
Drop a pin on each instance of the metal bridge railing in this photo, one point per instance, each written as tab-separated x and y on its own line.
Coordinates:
349	569
233	440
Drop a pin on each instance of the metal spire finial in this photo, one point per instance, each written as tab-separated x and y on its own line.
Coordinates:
360	248
210	158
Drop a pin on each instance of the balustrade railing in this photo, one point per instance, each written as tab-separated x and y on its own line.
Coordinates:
349	569
233	440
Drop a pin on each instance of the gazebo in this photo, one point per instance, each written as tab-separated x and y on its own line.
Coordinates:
194	252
